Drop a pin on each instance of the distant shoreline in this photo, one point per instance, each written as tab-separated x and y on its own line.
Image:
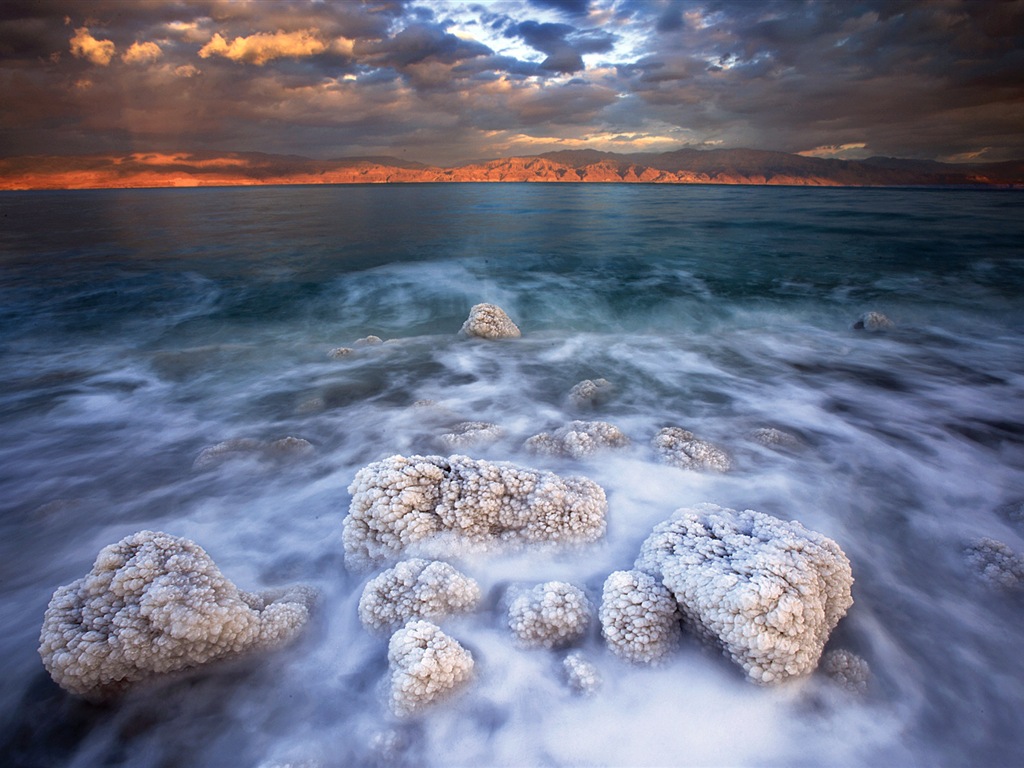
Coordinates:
737	167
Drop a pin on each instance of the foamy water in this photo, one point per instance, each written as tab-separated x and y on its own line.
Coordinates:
138	328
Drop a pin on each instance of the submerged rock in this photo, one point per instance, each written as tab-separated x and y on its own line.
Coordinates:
847	670
873	321
155	604
681	448
285	448
487	321
469	434
776	438
577	439
767	592
591	393
581	674
995	563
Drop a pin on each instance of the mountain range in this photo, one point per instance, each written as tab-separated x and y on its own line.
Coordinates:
682	166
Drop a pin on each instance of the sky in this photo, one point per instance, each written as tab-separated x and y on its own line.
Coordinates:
449	81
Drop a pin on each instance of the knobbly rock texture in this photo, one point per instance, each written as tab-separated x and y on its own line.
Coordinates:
776	438
995	563
591	393
441	506
487	321
416	589
847	670
640	620
768	592
471	434
681	448
581	674
155	604
577	439
427	666
551	615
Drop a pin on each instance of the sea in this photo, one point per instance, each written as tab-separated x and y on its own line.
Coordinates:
139	328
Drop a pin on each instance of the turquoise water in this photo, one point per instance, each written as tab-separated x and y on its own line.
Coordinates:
138	327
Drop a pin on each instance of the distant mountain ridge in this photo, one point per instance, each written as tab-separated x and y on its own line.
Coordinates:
681	166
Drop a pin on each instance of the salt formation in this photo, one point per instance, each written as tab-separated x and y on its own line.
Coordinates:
551	615
681	448
368	341
873	321
640	620
471	434
426	666
155	604
590	393
768	592
439	506
487	321
577	439
848	670
339	352
581	674
995	563
247	447
416	589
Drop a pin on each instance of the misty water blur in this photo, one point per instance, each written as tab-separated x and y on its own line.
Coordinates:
139	327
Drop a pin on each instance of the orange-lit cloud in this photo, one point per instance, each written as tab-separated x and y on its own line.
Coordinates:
85	46
142	53
842	151
265	46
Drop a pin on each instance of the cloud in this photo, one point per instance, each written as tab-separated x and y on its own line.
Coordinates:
85	46
142	53
262	47
851	151
563	44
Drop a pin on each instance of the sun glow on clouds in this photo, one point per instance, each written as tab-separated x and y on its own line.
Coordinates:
85	46
265	46
853	151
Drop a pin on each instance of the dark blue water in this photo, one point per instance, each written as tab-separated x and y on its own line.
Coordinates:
138	327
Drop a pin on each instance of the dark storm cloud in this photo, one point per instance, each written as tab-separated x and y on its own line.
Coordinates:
564	45
453	79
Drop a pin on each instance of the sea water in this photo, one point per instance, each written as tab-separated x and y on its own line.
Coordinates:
139	327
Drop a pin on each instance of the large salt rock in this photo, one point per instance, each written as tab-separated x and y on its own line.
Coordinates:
155	604
487	321
417	588
768	592
995	563
426	666
439	507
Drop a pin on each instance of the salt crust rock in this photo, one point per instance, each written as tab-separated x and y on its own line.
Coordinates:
590	392
640	620
444	506
581	674
848	670
873	321
995	563
426	666
487	321
416	589
681	448
247	447
471	433
551	615
768	592
155	604
577	439
368	341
